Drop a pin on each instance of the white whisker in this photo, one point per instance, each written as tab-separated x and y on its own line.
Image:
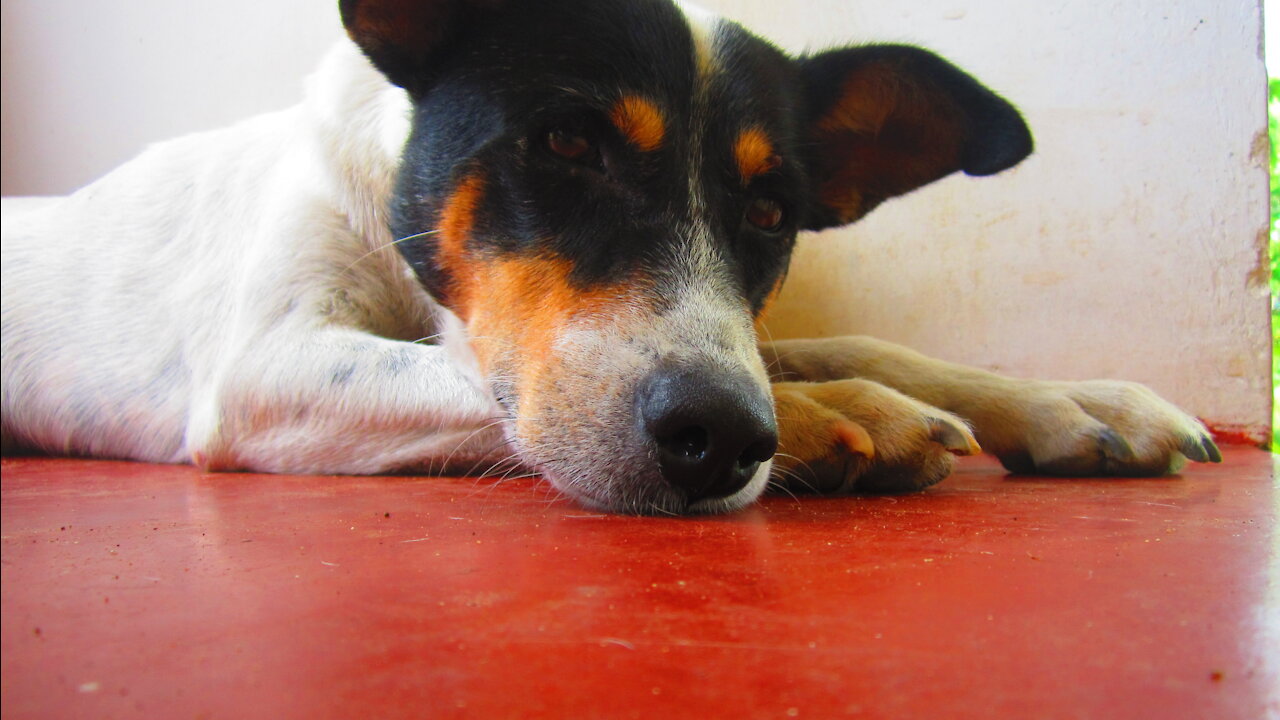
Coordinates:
393	243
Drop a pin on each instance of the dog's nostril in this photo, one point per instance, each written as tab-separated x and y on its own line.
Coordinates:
758	452
690	443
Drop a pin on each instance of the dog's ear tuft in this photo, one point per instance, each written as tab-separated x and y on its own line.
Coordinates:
885	120
406	38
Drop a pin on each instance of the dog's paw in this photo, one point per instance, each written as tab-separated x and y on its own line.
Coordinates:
1097	427
849	436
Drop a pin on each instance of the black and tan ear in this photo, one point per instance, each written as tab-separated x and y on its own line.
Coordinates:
884	120
406	39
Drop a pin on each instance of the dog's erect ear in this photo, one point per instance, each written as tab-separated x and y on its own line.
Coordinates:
405	38
885	120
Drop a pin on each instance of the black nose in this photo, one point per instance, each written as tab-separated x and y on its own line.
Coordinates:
712	429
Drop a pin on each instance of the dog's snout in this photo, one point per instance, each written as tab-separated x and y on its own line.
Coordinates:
711	431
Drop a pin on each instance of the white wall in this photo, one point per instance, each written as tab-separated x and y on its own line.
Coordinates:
1132	245
86	84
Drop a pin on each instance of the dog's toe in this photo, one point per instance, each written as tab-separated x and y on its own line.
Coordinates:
920	472
1101	451
1105	428
856	436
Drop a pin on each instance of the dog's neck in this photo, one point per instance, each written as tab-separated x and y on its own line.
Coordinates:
362	122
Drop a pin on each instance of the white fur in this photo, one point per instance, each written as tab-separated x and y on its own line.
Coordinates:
233	298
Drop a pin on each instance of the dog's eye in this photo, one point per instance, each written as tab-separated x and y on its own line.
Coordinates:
572	145
766	214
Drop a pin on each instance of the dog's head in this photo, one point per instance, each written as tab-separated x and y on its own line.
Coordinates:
607	193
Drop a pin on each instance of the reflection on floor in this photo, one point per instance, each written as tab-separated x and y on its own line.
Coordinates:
151	591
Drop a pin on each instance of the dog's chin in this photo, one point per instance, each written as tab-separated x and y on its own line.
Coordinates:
638	496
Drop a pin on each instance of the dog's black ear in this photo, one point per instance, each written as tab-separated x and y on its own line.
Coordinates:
885	120
406	38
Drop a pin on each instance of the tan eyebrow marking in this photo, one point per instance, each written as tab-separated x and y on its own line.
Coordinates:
754	154
640	121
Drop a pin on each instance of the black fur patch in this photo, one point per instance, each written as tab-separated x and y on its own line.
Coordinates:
564	65
488	103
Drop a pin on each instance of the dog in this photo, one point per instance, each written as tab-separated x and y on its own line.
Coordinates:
503	236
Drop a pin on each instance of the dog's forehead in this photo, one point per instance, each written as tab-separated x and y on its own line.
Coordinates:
649	64
752	83
642	45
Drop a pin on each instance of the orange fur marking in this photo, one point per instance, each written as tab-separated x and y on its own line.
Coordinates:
526	301
514	307
457	220
523	306
640	121
755	154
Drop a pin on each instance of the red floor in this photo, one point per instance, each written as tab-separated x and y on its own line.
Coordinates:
160	592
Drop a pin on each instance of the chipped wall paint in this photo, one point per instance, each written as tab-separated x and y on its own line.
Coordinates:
1131	245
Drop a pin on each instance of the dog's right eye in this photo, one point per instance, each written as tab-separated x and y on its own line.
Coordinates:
766	214
573	145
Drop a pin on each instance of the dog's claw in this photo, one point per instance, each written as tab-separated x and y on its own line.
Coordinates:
1193	449
957	440
1200	449
1215	455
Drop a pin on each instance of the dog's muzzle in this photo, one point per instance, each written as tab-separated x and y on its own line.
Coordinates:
711	431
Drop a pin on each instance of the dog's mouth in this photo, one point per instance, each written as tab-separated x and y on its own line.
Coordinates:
643	491
682	439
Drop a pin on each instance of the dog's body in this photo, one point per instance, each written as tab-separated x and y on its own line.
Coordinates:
264	241
546	250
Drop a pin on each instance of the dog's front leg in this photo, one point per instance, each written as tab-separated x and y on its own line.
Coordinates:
1033	426
344	401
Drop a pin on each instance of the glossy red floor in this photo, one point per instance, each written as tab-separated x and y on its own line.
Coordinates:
160	592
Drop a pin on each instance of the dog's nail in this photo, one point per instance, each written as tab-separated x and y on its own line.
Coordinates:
1193	448
956	439
1215	455
1115	447
855	438
1200	448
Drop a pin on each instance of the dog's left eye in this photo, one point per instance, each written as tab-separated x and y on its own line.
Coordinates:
766	214
572	145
